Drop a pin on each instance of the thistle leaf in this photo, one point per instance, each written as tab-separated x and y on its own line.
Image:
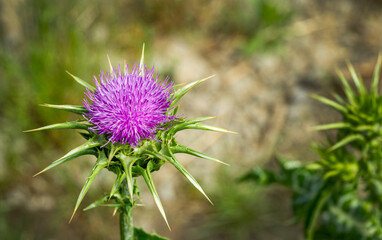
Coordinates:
127	163
83	149
178	94
67	158
330	103
330	174
66	125
182	125
336	125
140	234
207	128
97	203
348	91
339	99
150	184
82	82
190	178
70	108
363	227
197	120
142	62
374	85
93	142
357	81
314	210
370	128
260	176
111	66
86	135
175	110
346	140
98	166
113	205
173	161
184	149
117	183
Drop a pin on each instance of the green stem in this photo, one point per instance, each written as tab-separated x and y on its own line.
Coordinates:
315	209
126	225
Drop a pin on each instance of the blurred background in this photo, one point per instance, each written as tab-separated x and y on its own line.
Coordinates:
267	55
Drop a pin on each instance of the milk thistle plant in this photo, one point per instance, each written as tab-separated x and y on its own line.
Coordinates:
129	123
340	195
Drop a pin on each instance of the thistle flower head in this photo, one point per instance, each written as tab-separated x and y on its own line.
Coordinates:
128	107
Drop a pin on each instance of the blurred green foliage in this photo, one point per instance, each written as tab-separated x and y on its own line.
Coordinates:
32	71
339	196
262	24
241	212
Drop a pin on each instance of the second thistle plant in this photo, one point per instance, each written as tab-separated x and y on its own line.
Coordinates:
129	122
339	196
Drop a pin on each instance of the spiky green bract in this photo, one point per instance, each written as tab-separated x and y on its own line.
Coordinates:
129	162
361	112
340	195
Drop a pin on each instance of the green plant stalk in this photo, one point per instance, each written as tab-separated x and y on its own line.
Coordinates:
126	215
317	207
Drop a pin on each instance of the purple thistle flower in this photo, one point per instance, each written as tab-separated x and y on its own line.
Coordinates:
128	107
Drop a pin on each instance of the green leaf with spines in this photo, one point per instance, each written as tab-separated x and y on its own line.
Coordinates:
260	176
365	128
374	85
179	93
337	125
181	125
194	120
183	149
65	125
127	163
175	110
357	81
95	141
351	221
339	99
113	150
198	126
352	117
140	234
330	103
169	157
70	108
315	209
112	73
331	173
102	202
366	117
146	174
346	140
82	82
98	166
67	158
86	135
348	90
117	182
142	62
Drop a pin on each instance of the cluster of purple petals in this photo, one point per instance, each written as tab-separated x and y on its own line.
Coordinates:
128	107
